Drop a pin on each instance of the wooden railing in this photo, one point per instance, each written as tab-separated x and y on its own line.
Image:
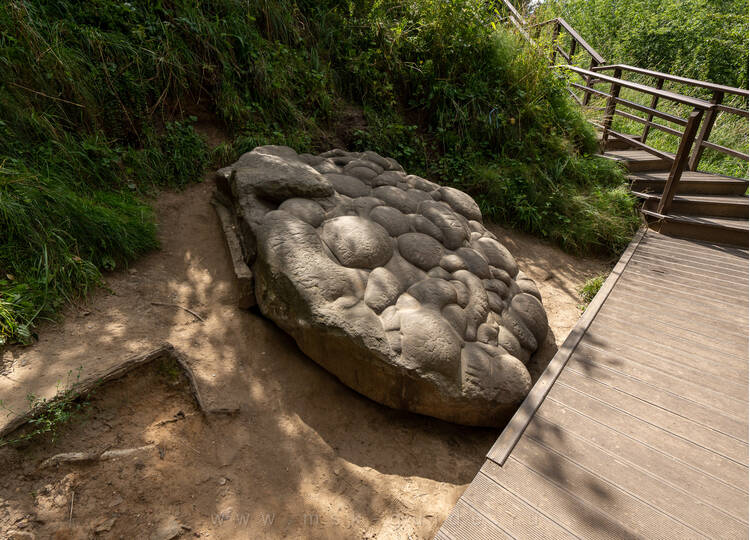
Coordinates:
718	93
694	130
560	27
687	135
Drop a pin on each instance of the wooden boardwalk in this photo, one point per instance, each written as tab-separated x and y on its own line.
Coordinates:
639	426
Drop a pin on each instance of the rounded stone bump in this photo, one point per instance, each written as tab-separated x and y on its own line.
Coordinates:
357	242
392	220
421	250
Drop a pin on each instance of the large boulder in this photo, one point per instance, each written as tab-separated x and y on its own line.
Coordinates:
388	281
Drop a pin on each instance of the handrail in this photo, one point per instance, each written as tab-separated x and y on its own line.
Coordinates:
666	94
575	35
675	78
514	12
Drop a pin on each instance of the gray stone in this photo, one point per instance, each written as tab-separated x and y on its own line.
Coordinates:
421	250
497	255
453	263
392	220
454	231
348	185
475	262
461	203
305	209
394	165
357	242
388	178
366	163
276	179
396	197
377	159
417	182
389	281
423	225
382	289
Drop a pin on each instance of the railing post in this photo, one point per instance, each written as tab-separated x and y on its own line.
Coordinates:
555	34
609	112
589	82
680	161
573	44
654	103
705	131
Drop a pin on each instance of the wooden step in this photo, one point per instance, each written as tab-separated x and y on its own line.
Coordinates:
722	230
700	205
638	160
691	182
615	144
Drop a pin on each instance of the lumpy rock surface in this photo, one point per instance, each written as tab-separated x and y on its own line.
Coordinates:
388	281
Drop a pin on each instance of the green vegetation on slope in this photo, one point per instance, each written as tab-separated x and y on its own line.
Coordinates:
97	98
697	39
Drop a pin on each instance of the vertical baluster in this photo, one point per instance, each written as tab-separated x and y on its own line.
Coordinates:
609	112
573	44
555	34
705	131
650	117
680	161
589	82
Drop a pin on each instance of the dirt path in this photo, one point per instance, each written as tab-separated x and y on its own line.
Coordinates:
304	456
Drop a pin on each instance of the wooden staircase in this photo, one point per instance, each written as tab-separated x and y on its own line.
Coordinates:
705	206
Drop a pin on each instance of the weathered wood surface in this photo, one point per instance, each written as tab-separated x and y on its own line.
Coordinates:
639	429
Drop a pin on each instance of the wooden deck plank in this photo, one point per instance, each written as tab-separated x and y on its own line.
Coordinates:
685	428
647	328
698	392
711	249
710	283
687	315
575	514
707	256
642	430
673	339
709	489
661	288
639	427
707	416
658	290
637	299
696	324
465	522
723	268
496	503
667	361
605	473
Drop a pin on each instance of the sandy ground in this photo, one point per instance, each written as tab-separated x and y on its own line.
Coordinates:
304	456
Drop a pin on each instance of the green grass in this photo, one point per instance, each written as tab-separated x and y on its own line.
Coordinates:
689	38
590	289
97	112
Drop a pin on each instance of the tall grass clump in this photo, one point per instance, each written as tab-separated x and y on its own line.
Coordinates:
98	105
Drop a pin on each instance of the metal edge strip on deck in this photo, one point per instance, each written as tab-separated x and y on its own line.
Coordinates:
519	422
